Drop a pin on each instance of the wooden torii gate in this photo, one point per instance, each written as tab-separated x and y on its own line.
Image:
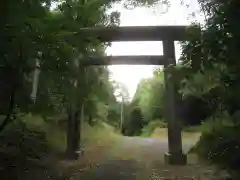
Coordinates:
166	34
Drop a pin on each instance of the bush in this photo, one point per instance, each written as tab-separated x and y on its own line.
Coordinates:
192	129
22	153
198	128
148	130
221	145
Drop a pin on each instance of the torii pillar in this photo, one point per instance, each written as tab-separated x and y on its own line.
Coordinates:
175	155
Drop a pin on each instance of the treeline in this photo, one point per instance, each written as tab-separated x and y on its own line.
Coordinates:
147	104
147	107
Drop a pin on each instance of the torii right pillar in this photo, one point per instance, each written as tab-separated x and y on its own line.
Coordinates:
175	155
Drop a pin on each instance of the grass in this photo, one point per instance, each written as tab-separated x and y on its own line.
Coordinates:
96	140
190	129
208	125
158	129
98	135
56	137
150	128
161	133
197	128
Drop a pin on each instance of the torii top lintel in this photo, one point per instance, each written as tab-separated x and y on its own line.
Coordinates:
135	33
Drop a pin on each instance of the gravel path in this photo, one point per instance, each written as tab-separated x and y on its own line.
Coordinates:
136	158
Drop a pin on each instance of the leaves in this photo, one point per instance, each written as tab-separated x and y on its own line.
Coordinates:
149	97
209	61
31	28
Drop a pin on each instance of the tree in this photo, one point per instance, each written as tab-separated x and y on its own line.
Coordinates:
33	28
130	4
208	66
209	70
149	97
134	123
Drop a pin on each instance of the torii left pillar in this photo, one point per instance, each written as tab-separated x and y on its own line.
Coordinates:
175	155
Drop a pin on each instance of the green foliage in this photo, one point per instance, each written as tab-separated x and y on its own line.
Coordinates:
209	64
149	97
30	32
205	126
98	134
37	29
130	4
30	147
133	125
193	129
209	70
22	150
24	141
220	145
147	104
151	126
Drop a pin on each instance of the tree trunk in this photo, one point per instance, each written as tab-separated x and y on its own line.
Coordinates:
9	84
73	133
7	120
70	134
77	132
90	120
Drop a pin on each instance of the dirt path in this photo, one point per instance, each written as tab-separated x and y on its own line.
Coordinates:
135	158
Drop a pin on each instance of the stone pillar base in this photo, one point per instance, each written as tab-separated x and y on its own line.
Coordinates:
175	159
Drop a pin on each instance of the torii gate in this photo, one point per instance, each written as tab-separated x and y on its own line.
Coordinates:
166	34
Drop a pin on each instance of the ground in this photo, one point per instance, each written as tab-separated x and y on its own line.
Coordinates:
135	158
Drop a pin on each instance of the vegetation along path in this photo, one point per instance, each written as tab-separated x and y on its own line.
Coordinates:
142	158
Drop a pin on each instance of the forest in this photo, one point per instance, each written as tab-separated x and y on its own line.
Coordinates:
37	38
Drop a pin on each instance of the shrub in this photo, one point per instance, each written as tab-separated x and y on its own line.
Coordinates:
221	145
22	152
148	130
199	128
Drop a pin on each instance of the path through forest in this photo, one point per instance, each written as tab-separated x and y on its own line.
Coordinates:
134	158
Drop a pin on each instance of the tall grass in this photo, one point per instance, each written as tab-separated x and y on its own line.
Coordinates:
30	148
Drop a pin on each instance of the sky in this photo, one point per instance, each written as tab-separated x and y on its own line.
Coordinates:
177	14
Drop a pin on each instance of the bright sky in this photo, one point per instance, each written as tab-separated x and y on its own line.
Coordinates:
177	14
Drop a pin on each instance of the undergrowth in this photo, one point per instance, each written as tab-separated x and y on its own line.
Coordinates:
220	144
23	154
31	148
148	129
